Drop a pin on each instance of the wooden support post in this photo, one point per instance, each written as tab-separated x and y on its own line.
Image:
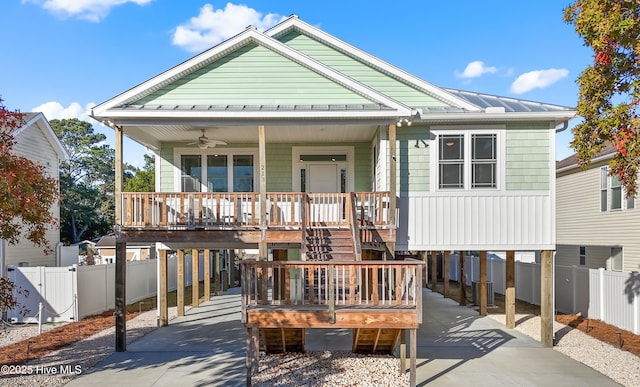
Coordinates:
248	365
118	175
510	290
180	284
445	273
433	268
403	351
207	274
483	283
195	276
262	154
256	349
163	306
391	247
216	272
279	275
121	296
413	342
546	298
423	258
463	279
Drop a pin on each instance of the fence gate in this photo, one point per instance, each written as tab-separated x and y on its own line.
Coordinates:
50	286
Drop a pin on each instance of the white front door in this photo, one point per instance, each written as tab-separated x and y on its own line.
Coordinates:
323	178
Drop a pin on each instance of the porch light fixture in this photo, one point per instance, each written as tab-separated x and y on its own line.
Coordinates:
403	121
333	158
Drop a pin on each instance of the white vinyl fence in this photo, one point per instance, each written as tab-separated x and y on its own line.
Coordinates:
74	292
610	296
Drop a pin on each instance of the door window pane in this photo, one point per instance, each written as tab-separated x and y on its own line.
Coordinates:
191	173
242	173
217	173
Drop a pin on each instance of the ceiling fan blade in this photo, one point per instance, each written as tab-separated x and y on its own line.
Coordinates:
215	142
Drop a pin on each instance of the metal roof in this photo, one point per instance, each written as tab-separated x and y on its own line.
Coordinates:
509	104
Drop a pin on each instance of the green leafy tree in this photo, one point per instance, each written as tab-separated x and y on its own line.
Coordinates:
142	180
610	86
86	181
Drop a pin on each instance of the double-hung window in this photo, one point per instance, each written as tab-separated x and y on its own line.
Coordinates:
468	160
612	195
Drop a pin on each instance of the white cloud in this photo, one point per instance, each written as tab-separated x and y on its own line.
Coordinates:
55	110
92	10
475	69
212	26
537	79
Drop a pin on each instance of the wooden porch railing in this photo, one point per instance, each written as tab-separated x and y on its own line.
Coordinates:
187	210
370	284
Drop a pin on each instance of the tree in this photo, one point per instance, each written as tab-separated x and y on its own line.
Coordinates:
142	180
86	181
610	87
27	192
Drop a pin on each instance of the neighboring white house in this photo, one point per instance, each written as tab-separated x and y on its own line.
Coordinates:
36	141
106	248
597	225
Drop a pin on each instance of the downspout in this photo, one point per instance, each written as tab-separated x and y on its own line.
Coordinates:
565	125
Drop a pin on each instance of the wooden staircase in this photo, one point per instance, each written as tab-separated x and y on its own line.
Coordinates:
282	340
375	340
325	244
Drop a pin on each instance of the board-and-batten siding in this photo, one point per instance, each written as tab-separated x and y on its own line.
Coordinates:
579	222
512	220
279	173
253	75
359	71
34	145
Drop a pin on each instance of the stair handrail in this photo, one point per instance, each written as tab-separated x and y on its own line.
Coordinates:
355	230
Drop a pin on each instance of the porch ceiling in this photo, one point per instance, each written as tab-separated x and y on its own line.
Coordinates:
153	136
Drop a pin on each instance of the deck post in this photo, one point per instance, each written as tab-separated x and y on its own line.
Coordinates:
463	279
163	306
262	246
483	283
256	348
216	272
180	284
546	298
445	272
423	258
391	246
413	354
207	274
248	365
403	351
195	278
118	174
433	268
121	296
510	291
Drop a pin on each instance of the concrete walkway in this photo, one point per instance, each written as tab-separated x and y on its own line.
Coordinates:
456	347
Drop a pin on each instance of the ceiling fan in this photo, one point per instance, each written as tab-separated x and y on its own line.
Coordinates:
204	142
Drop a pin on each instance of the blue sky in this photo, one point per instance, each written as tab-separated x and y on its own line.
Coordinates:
63	56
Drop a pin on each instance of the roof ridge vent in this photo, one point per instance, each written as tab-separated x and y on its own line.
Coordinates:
495	109
251	27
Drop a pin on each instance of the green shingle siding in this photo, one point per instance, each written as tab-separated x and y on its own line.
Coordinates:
527	157
253	75
359	71
413	158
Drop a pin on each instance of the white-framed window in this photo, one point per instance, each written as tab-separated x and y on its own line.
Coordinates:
612	195
468	159
228	170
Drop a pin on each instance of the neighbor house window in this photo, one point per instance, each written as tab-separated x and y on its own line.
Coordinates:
468	160
616	259
583	255
612	195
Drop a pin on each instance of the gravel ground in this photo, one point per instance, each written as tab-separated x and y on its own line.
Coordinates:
621	366
310	369
79	357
